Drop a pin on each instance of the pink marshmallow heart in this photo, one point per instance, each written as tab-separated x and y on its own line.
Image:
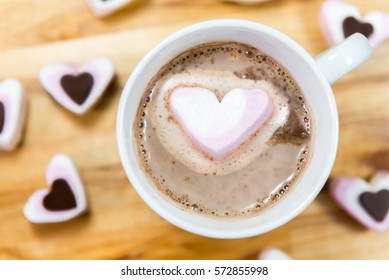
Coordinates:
64	200
13	107
219	127
338	20
367	203
273	254
102	8
77	89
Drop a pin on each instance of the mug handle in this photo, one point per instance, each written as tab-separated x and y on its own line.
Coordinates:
341	59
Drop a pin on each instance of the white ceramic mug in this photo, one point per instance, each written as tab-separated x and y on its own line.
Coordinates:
314	78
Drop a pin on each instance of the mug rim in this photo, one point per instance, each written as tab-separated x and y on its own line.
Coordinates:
133	177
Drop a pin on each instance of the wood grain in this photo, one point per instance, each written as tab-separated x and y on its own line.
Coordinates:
119	225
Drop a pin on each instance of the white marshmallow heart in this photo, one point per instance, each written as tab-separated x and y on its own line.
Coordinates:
102	8
273	254
13	107
367	203
219	127
334	15
64	200
77	89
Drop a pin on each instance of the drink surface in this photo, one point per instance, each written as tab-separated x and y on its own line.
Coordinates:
253	176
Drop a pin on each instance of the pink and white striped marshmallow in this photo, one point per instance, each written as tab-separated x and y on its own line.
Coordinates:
367	203
339	19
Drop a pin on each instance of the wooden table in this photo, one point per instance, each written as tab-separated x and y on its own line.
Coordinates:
120	225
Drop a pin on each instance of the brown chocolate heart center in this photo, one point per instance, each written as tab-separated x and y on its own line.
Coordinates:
376	204
77	87
60	197
2	116
351	25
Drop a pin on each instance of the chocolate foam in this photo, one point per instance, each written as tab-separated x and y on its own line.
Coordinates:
175	140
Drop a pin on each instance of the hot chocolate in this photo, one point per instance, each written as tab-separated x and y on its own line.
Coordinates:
223	130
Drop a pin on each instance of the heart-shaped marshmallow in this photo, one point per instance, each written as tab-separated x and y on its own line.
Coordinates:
367	203
64	200
77	89
273	254
13	107
102	8
338	20
219	127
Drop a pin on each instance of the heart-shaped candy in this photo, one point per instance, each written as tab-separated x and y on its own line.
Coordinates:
2	116
13	107
77	89
64	200
338	20
102	8
367	203
60	197
352	25
273	254
376	204
219	127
